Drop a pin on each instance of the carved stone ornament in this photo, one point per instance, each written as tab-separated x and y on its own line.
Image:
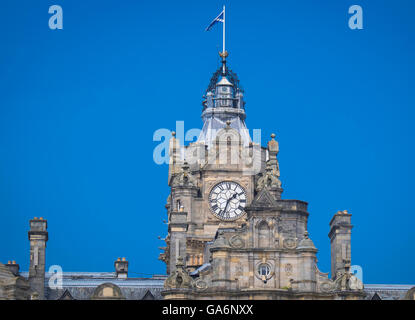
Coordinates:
264	199
355	283
306	243
236	242
239	270
327	286
288	269
269	180
179	278
346	281
289	243
200	284
273	144
184	178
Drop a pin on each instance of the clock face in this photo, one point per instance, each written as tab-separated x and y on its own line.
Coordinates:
227	200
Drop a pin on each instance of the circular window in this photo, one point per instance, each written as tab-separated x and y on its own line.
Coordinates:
264	270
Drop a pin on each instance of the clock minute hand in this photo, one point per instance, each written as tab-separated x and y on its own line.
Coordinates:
229	200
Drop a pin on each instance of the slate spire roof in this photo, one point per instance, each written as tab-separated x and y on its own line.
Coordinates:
223	102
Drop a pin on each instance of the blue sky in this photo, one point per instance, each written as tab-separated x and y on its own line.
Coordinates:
79	106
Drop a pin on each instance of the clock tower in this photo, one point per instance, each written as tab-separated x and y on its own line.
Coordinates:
213	180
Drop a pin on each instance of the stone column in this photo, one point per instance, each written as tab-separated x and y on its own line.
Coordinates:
308	262
177	230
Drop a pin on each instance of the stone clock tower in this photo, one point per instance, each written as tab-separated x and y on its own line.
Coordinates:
230	235
212	180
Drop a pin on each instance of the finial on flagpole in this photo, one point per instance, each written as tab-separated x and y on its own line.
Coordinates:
224	55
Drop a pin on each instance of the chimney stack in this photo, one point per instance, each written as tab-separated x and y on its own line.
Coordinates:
13	267
340	242
121	268
38	236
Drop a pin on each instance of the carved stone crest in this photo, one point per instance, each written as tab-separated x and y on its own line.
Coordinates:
288	269
290	243
200	284
239	270
327	286
236	242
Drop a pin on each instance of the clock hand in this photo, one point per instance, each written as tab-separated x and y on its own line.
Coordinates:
229	200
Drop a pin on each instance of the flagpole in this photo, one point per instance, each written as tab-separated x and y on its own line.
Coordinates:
223	30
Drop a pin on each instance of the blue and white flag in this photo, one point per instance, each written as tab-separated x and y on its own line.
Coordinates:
219	18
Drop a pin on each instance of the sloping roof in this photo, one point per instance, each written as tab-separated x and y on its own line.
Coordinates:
81	285
5	272
398	287
386	291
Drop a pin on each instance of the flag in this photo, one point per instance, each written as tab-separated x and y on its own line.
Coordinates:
219	18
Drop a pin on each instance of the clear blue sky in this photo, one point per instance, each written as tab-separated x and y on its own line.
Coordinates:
79	106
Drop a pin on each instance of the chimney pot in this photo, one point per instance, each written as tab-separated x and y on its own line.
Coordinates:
121	268
13	267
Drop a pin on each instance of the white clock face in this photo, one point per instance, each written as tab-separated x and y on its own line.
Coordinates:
227	200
